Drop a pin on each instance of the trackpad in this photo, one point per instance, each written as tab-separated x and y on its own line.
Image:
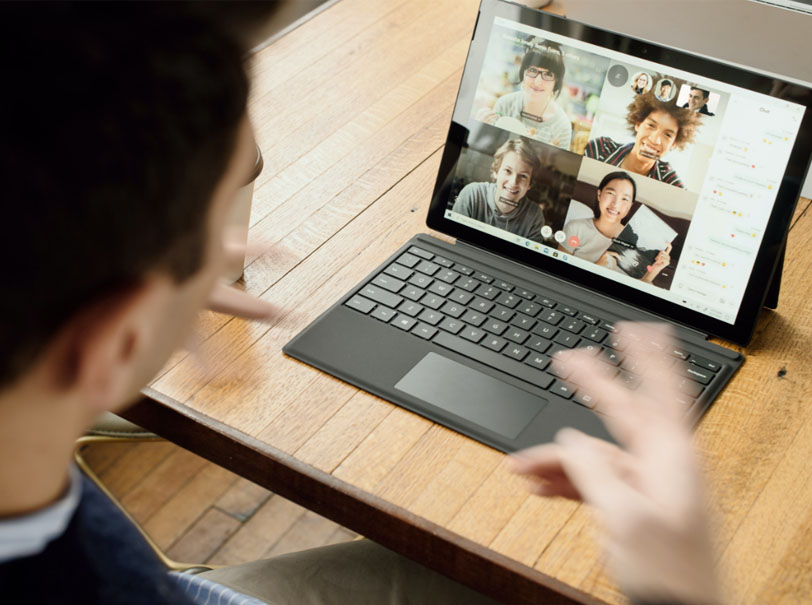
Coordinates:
472	395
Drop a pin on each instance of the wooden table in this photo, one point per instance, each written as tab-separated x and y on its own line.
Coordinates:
351	111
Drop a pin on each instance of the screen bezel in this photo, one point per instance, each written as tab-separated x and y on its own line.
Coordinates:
777	227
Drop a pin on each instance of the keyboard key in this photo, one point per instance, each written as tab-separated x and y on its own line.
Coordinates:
449	324
538	344
453	309
404	322
399	271
547	302
556	348
489	358
523	321
502	313
463	269
482	305
387	282
573	325
503	285
630	366
592	348
494	343
379	295
690	387
708	364
562	389
615	343
432	301
595	334
567	340
545	330
489	292
694	372
440	288
383	313
556	370
588	318
412	293
509	300
612	357
538	361
448	276
484	277
420	280
408	260
359	303
427	267
431	317
495	326
679	353
469	284
410	308
460	296
684	399
566	310
630	380
421	253
551	317
516	352
525	294
532	309
424	331
474	318
443	262
607	325
517	335
472	334
585	399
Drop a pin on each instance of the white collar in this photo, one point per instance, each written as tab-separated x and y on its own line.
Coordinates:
29	534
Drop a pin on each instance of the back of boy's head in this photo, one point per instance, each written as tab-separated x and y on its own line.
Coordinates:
119	120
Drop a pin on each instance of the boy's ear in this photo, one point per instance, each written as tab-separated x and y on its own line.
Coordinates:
104	345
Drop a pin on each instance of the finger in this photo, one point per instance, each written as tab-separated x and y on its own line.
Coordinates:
646	347
551	488
592	474
613	397
225	299
542	466
668	247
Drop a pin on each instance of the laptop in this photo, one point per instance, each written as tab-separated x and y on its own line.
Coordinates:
588	178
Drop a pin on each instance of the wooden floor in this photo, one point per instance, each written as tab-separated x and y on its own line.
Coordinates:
198	512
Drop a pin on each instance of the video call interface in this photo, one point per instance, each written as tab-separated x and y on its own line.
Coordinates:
636	171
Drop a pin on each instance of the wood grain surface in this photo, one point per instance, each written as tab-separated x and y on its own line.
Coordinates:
351	112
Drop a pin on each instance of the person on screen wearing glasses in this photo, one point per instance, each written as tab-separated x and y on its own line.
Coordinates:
532	110
658	127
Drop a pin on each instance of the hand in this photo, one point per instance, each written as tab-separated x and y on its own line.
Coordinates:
608	260
661	261
648	496
487	115
227	299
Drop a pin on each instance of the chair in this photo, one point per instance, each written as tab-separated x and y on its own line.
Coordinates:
110	428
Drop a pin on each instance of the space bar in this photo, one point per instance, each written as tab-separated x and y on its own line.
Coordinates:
493	360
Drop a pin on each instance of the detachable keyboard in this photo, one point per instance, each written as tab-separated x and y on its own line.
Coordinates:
465	337
509	328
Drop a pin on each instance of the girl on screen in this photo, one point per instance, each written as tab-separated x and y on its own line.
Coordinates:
532	110
590	238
